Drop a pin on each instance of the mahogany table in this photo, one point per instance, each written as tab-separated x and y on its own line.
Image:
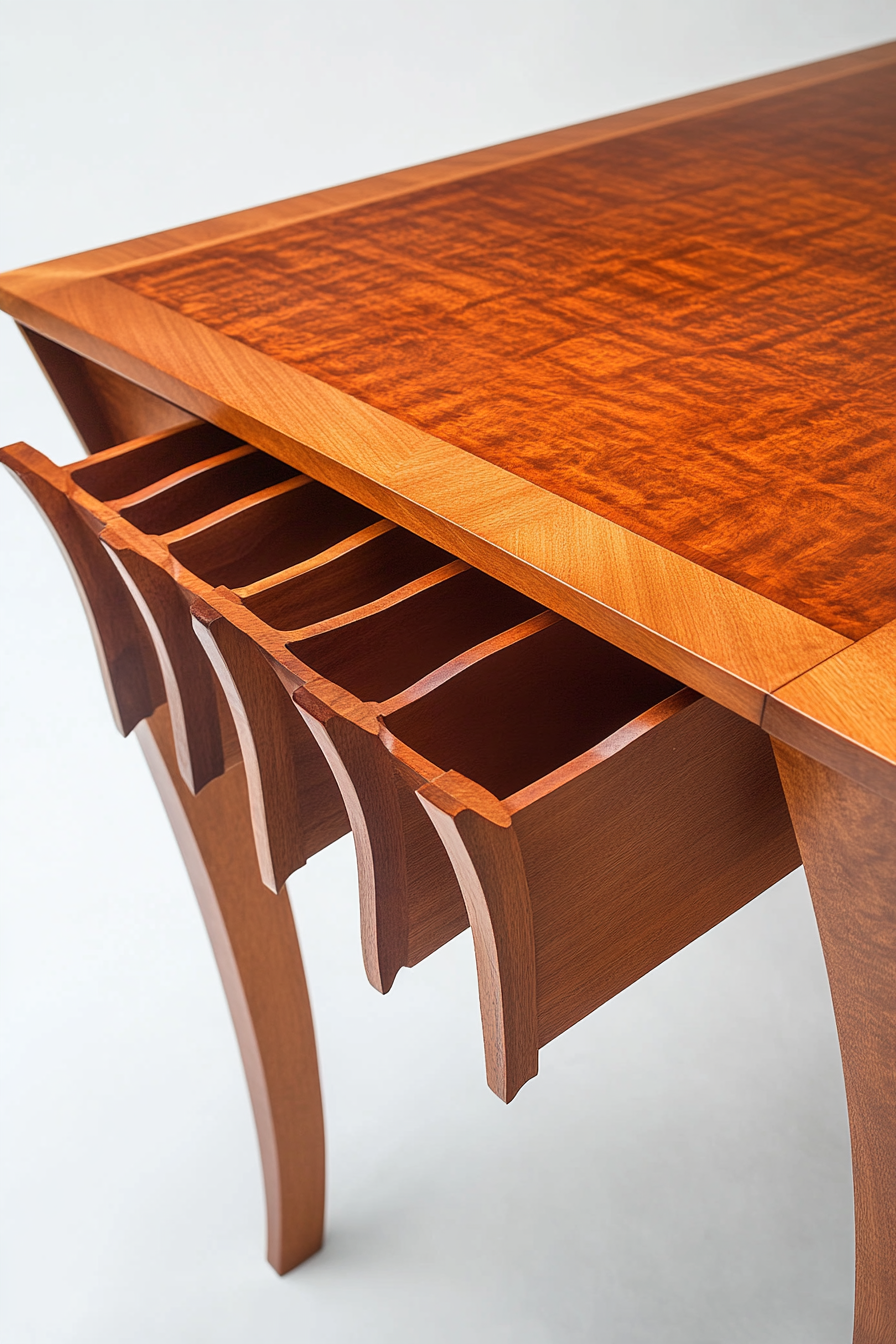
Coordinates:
641	371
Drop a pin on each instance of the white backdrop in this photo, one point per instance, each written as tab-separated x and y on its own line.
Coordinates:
679	1171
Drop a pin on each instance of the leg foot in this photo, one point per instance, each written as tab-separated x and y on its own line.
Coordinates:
254	940
848	841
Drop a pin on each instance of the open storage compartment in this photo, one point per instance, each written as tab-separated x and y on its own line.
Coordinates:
598	815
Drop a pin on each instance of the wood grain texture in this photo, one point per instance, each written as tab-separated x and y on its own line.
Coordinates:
254	940
124	649
294	801
628	831
718	636
410	903
104	409
190	684
847	836
134	464
684	330
847	700
329	200
492	876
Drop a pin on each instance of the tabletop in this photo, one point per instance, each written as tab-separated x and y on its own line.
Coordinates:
640	369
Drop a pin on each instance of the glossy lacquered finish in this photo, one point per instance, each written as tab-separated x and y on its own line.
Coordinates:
582	428
638	326
695	568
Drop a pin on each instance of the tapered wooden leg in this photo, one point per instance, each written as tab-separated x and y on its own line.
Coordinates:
254	940
847	837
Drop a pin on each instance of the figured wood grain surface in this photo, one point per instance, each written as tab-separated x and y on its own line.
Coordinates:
102	260
687	330
723	639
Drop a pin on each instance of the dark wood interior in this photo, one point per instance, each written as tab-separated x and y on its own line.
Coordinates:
362	575
130	467
104	408
382	654
202	492
529	708
272	535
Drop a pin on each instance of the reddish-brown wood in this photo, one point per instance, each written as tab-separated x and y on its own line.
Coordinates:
638	326
847	837
189	681
409	897
688	298
254	940
846	702
722	637
405	180
616	827
491	872
103	407
251	929
123	646
295	804
140	462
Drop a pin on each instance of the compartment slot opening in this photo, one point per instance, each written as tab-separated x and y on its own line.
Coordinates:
124	469
381	654
525	710
271	535
353	579
322	558
204	491
206	464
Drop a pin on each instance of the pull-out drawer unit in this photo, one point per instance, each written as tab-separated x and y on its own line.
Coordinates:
584	813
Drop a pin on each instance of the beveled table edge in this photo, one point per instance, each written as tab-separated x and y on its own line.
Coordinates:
846	702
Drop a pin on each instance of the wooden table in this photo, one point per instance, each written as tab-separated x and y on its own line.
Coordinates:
639	369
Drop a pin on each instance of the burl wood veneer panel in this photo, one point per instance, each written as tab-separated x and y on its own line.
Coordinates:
688	330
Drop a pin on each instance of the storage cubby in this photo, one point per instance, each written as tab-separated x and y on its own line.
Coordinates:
201	489
530	707
128	467
388	650
271	535
350	580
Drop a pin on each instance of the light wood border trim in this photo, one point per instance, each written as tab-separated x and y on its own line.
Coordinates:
330	200
843	712
720	638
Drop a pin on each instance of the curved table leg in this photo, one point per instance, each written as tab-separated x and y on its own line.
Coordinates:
847	836
255	944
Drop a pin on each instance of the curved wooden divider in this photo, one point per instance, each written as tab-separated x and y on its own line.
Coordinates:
250	927
583	812
123	646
